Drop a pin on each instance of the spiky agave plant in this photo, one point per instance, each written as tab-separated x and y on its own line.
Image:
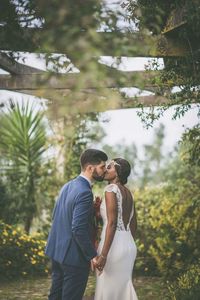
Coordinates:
22	144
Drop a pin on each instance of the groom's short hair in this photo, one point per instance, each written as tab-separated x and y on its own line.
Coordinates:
93	157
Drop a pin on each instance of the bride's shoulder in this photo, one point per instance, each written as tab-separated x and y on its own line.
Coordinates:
112	187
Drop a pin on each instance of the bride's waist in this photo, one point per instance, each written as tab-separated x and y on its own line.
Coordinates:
121	237
117	231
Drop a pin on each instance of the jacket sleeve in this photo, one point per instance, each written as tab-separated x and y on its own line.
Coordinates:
80	224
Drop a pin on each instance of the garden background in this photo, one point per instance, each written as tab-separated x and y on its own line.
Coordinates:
39	153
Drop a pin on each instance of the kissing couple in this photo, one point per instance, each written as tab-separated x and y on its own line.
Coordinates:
70	245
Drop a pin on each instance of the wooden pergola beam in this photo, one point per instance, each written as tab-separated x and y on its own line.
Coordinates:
115	79
107	43
65	101
176	19
10	65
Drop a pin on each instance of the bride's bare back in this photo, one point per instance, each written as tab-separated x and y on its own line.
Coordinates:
128	209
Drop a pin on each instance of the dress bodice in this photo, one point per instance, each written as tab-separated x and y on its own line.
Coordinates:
120	224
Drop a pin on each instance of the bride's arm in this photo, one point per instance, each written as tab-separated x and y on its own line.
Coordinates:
111	209
133	224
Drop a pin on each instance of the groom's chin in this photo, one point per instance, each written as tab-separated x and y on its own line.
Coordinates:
99	179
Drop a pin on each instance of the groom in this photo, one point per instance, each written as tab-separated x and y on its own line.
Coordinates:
69	243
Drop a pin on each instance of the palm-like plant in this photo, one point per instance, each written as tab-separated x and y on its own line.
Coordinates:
22	143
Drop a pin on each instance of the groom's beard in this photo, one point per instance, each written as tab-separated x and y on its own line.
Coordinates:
97	177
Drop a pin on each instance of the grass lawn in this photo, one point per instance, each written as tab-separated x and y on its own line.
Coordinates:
147	288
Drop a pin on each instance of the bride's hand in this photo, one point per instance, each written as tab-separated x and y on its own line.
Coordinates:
95	266
100	263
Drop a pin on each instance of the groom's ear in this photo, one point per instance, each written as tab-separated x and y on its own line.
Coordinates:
88	167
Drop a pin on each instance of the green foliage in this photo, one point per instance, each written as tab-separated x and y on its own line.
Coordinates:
85	131
151	165
32	177
145	199
128	152
22	145
182	72
50	181
38	26
21	254
175	218
168	227
5	200
155	14
187	286
169	219
11	20
149	169
18	15
167	205
191	145
148	14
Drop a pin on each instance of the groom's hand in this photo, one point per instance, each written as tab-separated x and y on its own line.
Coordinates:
93	263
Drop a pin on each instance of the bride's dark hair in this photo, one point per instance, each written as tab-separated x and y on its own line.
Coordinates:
123	169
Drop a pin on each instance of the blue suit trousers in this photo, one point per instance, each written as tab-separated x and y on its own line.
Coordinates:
68	282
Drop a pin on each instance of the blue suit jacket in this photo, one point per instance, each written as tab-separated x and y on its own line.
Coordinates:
70	237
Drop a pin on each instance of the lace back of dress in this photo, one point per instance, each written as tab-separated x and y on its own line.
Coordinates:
119	195
120	222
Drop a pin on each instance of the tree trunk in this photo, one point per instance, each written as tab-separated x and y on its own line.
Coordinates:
28	223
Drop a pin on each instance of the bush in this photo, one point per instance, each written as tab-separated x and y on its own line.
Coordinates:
187	286
21	254
169	226
175	219
146	199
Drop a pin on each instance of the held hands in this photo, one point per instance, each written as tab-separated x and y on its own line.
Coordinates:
98	263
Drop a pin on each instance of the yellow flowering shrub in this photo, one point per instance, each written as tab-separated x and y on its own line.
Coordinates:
187	286
168	227
144	200
21	254
175	220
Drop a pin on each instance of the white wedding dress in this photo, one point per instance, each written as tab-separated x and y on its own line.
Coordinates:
115	282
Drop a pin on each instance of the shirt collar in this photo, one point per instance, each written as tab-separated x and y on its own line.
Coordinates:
90	182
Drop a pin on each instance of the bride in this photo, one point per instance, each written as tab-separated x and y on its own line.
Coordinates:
117	249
